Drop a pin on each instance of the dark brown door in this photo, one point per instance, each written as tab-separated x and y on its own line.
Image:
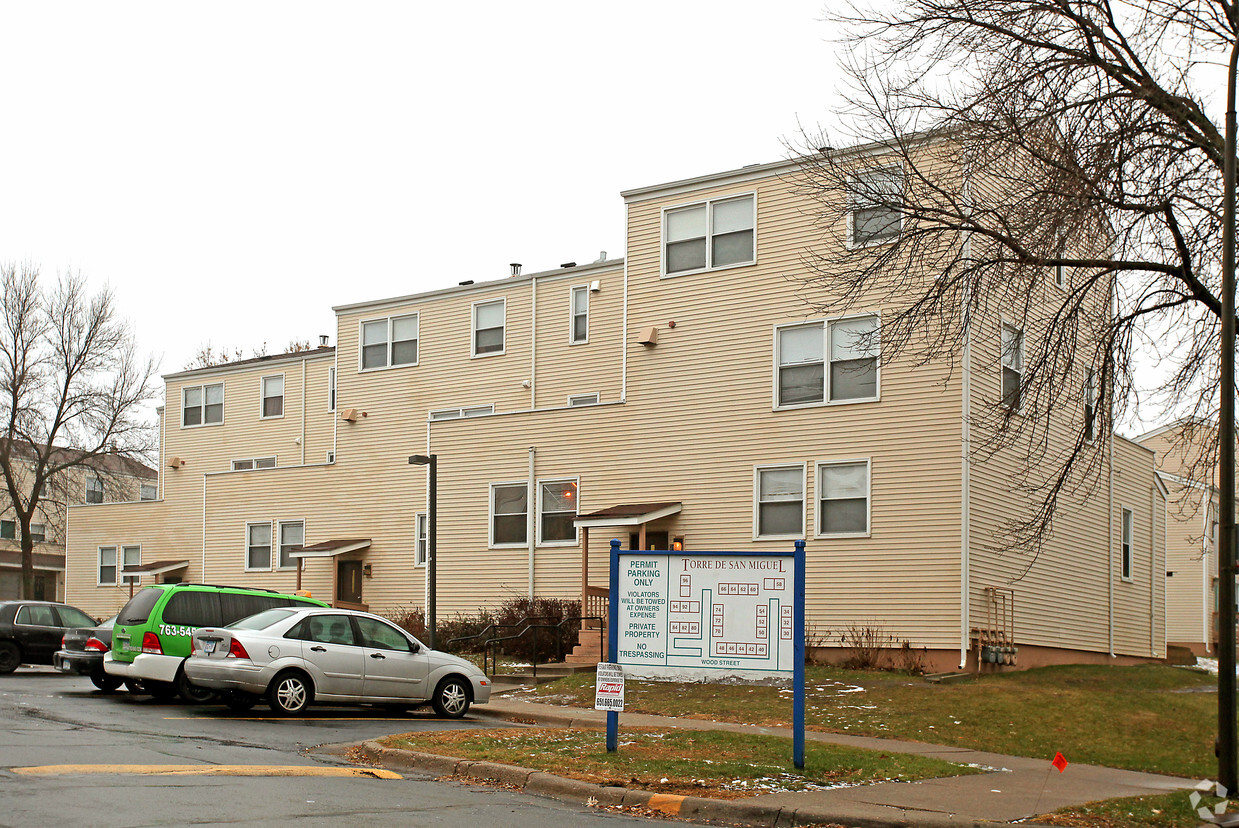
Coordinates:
653	540
348	582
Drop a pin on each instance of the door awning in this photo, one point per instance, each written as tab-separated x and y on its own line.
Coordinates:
331	548
155	568
628	514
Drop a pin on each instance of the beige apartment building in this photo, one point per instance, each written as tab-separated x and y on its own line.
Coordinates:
108	478
685	393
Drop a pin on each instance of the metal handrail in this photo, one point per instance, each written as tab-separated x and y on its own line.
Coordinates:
490	647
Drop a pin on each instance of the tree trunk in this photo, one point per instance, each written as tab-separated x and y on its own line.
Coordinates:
27	564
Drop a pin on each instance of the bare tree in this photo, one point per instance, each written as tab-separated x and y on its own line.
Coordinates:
72	390
1030	141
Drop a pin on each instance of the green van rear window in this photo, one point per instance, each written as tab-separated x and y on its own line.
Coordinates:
138	610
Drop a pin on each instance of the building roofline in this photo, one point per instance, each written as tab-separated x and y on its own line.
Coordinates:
585	269
1133	443
1171	426
225	367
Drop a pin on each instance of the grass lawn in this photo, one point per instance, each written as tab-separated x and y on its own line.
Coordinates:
696	763
1165	811
1149	717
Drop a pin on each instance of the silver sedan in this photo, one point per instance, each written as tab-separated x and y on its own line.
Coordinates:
296	657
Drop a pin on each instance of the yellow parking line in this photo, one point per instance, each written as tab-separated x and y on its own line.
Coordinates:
304	719
207	770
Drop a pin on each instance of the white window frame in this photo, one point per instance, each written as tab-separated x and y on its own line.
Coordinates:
115	566
817	493
278	544
473	328
824	323
709	205
853	204
1060	277
1127	541
331	386
490	515
390	320
254	461
271	545
1090	405
581	400
576	533
1002	365
39	536
121	554
804	500
262	396
462	413
203	388
421	539
93	477
582	290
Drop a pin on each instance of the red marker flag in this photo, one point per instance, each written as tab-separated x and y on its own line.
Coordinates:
1059	762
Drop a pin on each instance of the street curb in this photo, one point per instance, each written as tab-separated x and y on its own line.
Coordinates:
699	809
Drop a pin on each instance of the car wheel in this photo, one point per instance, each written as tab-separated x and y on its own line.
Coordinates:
105	682
190	692
290	693
237	701
10	657
451	698
163	691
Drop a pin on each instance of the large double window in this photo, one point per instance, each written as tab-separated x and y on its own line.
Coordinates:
829	361
709	235
389	342
202	405
556	511
261	552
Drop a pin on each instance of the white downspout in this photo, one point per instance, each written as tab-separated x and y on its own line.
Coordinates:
426	507
965	500
533	342
531	515
1153	569
204	492
303	412
1206	591
1110	549
624	323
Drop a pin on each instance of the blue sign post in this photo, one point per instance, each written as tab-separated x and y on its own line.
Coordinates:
704	613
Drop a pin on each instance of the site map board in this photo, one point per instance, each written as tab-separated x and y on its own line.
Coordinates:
705	613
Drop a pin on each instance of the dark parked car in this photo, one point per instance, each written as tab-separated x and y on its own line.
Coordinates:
30	631
81	652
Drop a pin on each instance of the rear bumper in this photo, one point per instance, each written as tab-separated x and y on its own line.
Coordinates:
231	675
77	661
144	667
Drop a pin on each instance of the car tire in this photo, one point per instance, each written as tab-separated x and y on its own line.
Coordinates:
290	693
238	702
10	657
451	698
192	693
106	683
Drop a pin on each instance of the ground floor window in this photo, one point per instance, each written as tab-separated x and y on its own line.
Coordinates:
258	546
509	510
107	566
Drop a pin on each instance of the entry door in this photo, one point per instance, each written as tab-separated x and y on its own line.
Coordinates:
653	540
348	581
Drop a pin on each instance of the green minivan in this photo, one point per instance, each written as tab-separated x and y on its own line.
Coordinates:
151	639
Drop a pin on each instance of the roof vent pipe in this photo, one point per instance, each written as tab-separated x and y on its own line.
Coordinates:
516	268
602	257
322	340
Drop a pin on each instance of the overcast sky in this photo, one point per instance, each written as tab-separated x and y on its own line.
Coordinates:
233	170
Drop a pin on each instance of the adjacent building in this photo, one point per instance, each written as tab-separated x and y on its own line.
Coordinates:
683	394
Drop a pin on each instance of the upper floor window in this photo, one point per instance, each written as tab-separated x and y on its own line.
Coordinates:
849	346
8	530
331	389
780	501
457	413
583	399
149	491
557	511
253	463
389	342
509	511
202	405
874	206
1128	533
292	538
94	488
273	396
38	532
709	235
843	498
579	315
488	323
1012	346
1090	404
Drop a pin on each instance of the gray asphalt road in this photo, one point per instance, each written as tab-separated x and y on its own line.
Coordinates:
63	722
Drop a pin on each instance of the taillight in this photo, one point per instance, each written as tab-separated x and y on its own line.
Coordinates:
150	644
235	650
62	641
93	643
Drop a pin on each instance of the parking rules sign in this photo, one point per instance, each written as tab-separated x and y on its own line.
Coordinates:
609	690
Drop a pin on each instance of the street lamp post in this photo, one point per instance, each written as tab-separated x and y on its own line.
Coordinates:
431	460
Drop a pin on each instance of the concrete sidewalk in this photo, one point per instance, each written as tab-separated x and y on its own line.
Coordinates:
1019	788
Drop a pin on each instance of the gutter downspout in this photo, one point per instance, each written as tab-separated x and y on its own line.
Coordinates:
303	412
1153	569
1110	549
335	409
426	507
965	497
533	342
624	323
531	514
1206	535
204	494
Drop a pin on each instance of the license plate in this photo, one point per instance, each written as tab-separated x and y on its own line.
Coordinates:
208	647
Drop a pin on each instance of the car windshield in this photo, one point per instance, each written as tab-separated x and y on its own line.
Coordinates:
262	620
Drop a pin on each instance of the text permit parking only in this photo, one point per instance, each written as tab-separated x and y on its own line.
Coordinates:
609	690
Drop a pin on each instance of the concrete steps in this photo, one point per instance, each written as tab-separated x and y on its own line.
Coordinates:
545	673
